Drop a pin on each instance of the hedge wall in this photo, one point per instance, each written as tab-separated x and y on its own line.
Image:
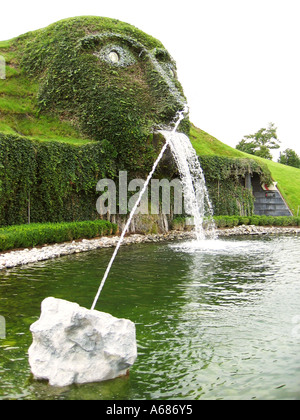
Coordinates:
55	182
49	181
36	234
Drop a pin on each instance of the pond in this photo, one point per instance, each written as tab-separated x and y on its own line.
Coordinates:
220	321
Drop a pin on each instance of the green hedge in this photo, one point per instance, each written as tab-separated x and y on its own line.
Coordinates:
53	182
24	236
231	221
179	223
56	182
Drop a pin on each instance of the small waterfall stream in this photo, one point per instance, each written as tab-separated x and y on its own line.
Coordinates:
196	199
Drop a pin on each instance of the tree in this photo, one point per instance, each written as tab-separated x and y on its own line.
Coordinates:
290	158
260	143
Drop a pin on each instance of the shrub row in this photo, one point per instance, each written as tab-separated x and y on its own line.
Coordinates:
230	221
24	236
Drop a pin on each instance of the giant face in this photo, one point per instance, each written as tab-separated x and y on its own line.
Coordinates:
113	81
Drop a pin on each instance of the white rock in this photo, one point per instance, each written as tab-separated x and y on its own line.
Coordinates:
72	344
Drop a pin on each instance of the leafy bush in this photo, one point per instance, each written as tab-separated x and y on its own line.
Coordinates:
24	236
286	221
244	220
254	220
226	221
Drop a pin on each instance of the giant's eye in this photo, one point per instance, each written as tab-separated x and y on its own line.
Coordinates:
170	69
114	57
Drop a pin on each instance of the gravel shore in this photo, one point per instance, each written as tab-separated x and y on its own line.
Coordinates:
27	256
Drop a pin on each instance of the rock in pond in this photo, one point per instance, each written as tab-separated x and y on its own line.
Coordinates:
72	344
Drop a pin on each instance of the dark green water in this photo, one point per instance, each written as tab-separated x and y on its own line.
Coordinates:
221	322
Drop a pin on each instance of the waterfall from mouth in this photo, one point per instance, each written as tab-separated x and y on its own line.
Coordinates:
196	199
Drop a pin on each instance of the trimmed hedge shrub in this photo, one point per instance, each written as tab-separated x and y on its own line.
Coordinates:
24	236
230	221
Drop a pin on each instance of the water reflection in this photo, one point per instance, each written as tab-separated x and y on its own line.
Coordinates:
211	323
215	279
239	305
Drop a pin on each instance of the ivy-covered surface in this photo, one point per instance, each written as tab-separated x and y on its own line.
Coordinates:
63	77
55	182
49	181
102	88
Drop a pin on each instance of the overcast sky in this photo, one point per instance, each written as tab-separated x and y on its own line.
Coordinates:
238	60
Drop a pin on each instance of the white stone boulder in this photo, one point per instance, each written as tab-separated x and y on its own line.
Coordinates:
72	344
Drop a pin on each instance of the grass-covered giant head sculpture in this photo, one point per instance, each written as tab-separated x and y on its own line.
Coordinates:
112	78
111	81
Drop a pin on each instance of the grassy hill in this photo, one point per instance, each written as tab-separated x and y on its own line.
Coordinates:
19	112
287	177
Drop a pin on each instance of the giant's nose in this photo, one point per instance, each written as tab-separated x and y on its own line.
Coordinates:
165	86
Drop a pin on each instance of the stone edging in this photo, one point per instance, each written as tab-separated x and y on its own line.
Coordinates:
26	256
